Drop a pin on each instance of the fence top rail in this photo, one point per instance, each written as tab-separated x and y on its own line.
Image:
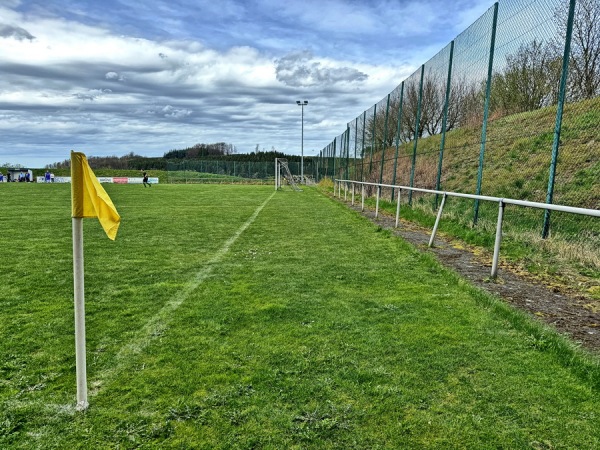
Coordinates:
508	201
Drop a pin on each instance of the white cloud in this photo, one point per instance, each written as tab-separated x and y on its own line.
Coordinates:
84	83
18	33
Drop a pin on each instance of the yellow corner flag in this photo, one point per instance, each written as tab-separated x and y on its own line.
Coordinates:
88	197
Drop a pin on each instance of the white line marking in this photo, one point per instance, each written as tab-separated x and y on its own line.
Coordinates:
158	323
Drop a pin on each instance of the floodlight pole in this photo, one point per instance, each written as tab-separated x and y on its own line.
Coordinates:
302	104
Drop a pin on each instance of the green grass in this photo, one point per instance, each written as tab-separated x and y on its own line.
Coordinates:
191	176
213	323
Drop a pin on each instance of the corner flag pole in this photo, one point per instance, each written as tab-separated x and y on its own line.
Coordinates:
78	284
88	199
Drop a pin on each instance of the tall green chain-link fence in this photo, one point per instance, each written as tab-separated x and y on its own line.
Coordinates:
510	108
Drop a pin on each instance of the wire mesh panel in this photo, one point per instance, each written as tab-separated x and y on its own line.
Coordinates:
577	169
470	63
433	95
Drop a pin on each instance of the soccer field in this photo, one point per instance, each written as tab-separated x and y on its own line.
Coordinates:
227	316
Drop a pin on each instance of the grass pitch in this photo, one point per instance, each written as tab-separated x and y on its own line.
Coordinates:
239	317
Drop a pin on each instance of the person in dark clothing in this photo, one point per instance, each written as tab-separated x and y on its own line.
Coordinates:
146	180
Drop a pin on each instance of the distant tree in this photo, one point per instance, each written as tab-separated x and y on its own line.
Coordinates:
409	112
202	151
432	104
433	98
465	108
584	63
375	126
528	81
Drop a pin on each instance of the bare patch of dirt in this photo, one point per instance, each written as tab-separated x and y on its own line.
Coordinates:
567	312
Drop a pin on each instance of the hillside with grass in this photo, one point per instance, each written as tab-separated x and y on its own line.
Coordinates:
517	159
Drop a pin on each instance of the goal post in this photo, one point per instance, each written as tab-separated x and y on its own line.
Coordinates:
282	171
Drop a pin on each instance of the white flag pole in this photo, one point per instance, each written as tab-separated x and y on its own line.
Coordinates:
78	276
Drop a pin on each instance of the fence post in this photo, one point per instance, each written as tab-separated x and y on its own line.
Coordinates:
498	240
334	149
398	208
362	153
347	143
444	123
377	202
320	165
316	167
398	128
559	113
486	108
372	140
328	159
384	143
416	140
355	145
362	206
437	220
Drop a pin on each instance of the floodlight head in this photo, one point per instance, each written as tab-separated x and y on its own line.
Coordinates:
302	103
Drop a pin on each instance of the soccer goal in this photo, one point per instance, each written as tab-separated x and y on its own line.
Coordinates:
282	171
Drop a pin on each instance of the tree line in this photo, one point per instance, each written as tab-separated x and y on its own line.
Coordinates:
219	151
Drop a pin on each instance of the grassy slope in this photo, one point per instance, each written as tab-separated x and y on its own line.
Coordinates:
516	165
517	158
314	330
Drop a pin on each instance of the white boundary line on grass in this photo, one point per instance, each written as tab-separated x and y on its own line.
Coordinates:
158	323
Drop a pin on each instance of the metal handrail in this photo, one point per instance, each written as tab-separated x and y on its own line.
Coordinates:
502	202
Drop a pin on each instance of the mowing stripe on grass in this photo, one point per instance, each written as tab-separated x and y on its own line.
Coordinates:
155	326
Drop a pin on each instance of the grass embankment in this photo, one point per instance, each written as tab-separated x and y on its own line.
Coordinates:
237	317
516	165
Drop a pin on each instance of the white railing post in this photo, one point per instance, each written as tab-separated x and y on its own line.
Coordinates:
377	203
345	191
398	208
437	220
362	206
353	186
494	273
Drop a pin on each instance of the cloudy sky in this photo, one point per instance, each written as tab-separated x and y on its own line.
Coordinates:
112	77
